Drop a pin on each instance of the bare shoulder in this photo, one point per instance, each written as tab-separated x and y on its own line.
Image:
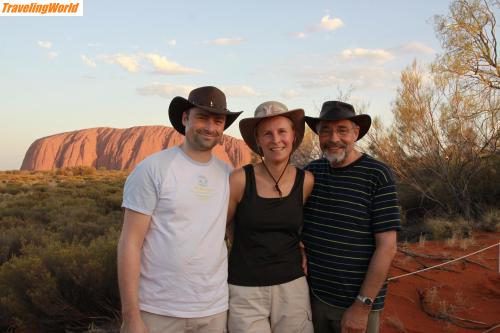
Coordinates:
308	184
237	176
237	183
308	177
308	180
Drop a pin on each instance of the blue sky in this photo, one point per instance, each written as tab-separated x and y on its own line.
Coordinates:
122	62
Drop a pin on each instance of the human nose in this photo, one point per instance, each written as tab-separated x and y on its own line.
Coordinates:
210	124
335	136
275	137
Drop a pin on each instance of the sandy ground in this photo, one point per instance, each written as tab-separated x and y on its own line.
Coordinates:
462	297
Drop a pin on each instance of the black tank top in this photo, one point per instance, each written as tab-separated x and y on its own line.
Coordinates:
266	236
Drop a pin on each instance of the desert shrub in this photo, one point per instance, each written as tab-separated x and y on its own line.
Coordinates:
490	221
60	285
58	236
12	240
441	228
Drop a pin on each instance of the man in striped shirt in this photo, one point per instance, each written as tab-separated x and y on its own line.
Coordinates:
350	224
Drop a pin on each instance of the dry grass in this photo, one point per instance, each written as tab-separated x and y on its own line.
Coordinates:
465	243
431	295
396	323
444	228
490	220
452	241
460	242
422	240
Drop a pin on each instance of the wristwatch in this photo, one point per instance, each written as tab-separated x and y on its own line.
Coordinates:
365	300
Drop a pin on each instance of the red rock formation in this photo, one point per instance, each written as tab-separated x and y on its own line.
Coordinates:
113	148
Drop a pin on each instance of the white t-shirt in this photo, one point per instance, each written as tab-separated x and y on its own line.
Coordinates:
184	257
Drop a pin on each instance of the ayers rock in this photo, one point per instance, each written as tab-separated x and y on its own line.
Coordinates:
114	148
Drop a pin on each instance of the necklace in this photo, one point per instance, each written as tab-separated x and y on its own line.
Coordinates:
276	182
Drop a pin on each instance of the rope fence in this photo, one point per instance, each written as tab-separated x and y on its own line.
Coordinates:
449	262
489	329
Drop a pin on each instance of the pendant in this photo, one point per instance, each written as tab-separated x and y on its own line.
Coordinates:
277	188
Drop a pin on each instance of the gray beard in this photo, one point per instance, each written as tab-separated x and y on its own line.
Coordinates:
336	158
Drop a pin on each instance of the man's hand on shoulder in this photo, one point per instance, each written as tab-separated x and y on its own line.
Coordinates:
355	318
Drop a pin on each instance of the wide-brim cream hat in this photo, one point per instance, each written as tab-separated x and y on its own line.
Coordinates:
268	110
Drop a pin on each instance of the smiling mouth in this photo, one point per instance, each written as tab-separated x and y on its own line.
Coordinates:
335	147
277	149
208	135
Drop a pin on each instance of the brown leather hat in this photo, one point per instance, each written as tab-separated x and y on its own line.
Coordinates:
335	110
208	98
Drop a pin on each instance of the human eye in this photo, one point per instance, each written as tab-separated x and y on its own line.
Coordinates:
324	131
283	131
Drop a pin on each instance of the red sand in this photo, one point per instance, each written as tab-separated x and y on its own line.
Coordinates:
471	292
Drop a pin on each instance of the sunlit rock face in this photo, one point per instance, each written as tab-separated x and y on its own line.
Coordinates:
114	148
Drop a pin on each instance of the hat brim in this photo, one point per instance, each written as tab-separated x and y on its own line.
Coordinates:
248	126
179	104
364	122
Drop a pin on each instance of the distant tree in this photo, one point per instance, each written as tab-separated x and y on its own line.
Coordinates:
468	38
309	149
439	142
445	134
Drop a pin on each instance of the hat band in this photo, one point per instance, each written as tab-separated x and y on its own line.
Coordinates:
212	105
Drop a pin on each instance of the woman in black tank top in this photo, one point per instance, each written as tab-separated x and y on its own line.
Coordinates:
267	288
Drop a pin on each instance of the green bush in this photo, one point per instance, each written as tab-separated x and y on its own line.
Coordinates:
58	285
58	237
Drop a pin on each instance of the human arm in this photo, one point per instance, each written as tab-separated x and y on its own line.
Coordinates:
308	185
355	318
237	187
135	227
307	189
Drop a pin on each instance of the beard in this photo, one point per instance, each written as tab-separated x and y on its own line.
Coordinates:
332	157
336	158
199	140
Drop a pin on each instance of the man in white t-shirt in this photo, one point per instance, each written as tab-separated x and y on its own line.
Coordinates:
172	259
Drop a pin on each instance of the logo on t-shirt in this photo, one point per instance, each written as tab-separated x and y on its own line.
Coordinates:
201	189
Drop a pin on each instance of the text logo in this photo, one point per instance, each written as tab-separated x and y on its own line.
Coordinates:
41	8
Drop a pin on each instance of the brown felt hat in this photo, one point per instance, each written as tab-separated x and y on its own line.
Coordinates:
335	110
267	110
208	98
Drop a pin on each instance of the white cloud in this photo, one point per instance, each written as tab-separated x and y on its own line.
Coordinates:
239	91
226	41
417	47
164	66
300	35
44	44
378	55
144	61
290	93
172	42
371	77
327	23
52	55
128	62
94	44
330	24
165	90
88	61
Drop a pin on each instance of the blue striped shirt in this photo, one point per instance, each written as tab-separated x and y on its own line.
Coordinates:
347	207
